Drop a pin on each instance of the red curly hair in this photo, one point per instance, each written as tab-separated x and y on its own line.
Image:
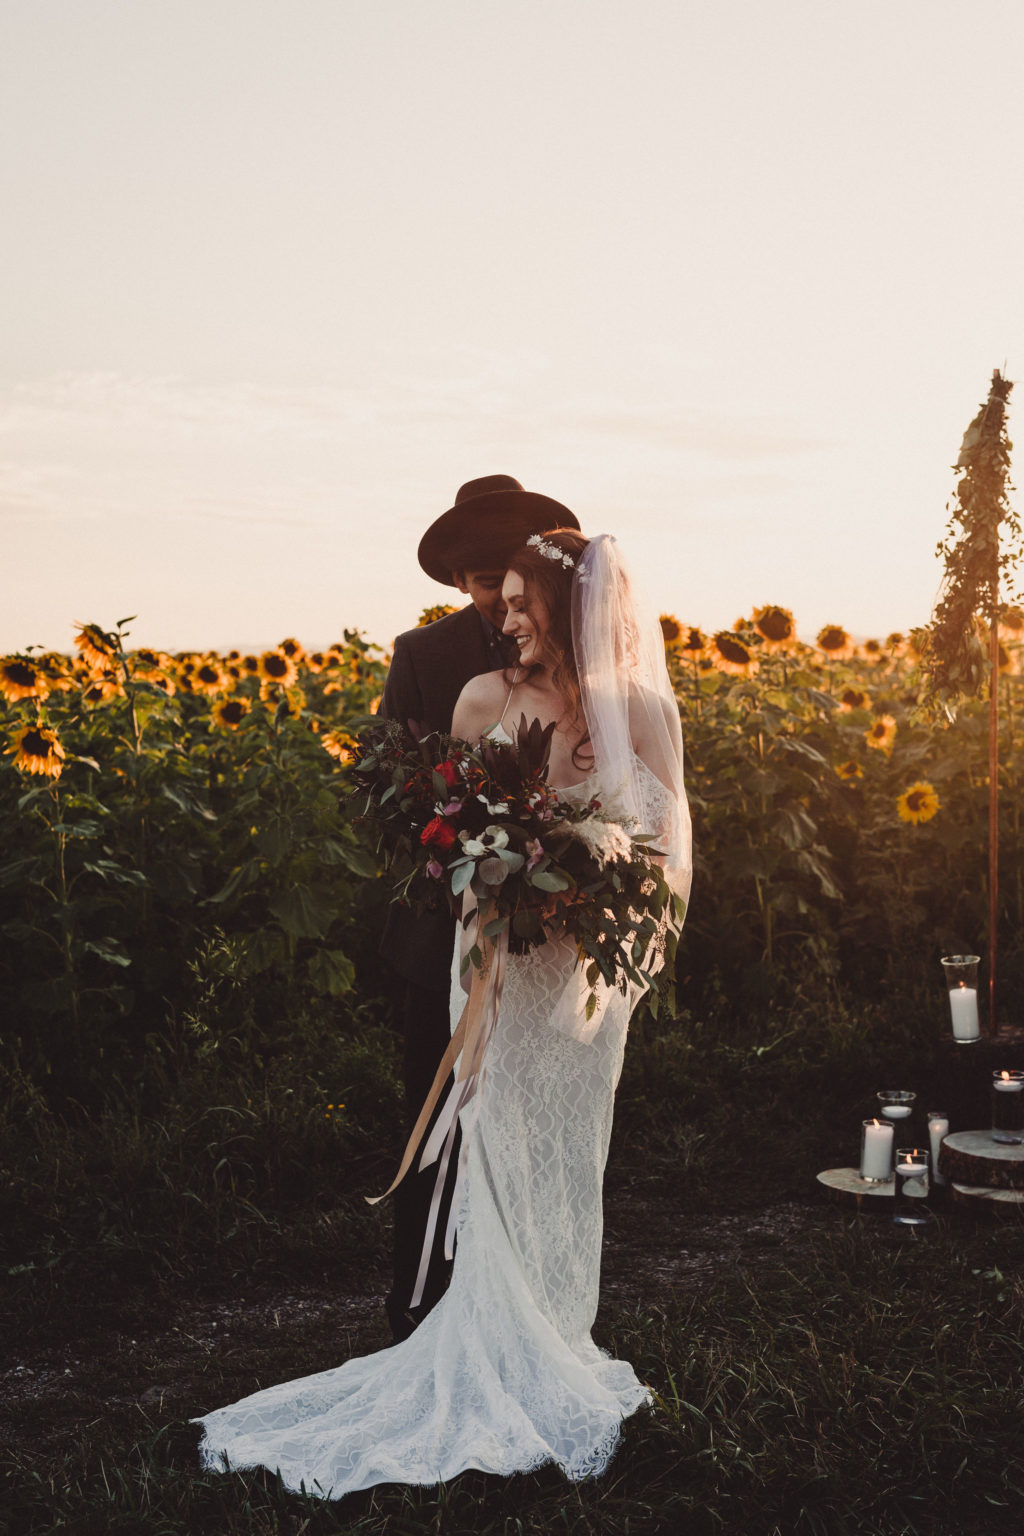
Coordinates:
549	582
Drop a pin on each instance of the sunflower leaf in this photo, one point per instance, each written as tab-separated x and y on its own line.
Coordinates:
107	869
331	972
358	860
242	878
302	912
110	950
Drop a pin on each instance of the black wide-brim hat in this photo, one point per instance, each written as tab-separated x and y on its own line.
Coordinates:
491	519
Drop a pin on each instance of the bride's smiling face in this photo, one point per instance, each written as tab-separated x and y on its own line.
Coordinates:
526	621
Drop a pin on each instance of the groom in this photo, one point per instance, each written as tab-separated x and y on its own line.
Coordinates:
468	547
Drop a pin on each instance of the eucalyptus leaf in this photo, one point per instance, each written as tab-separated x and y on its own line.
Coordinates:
461	875
548	880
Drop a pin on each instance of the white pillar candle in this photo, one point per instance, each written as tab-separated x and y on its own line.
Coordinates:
938	1127
876	1151
963	1006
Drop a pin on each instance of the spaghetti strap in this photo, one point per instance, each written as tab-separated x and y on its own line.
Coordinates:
501	717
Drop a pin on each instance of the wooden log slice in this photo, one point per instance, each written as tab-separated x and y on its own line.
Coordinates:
844	1186
974	1159
1002	1202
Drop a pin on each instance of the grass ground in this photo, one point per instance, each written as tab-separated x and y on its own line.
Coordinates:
813	1374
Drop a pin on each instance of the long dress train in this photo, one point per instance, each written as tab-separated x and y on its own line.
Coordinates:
503	1374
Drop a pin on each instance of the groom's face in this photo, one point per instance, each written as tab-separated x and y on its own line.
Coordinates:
484	587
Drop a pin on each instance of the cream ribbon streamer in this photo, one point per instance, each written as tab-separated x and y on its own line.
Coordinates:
467	1047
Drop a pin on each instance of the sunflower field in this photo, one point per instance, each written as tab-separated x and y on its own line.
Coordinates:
182	865
179	866
200	1081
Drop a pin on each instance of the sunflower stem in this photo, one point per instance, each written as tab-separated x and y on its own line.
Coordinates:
63	893
993	804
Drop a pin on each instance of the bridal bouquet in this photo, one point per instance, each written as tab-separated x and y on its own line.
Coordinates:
451	819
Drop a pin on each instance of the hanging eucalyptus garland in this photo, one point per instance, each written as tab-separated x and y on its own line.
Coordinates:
975	555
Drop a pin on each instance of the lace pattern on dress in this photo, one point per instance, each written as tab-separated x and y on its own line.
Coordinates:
503	1374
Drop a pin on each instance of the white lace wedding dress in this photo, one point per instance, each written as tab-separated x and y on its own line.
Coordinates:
503	1374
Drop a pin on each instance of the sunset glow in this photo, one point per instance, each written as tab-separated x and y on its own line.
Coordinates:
730	281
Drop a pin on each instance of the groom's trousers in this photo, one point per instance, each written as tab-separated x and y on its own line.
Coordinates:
423	1014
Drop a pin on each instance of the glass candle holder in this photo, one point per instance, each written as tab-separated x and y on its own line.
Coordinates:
938	1127
962	984
1008	1108
876	1141
911	1169
896	1105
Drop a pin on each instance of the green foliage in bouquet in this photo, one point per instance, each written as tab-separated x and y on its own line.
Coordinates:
453	819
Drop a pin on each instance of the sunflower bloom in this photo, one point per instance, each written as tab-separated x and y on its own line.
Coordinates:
251	666
1011	623
917	643
229	713
21	679
340	746
58	672
293	650
882	734
1009	662
431	615
97	690
273	695
316	661
918	803
732	655
277	668
775	626
97	648
854	698
850	770
693	643
149	661
37	750
159	680
835	642
873	651
671	629
208	677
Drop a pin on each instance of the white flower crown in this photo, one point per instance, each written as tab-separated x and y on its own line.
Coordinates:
552	552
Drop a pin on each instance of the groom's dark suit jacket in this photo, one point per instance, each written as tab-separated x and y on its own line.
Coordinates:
429	669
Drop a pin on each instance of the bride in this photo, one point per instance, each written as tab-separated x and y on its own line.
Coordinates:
503	1375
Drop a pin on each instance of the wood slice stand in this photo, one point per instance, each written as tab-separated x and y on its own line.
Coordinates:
844	1186
973	1159
997	1202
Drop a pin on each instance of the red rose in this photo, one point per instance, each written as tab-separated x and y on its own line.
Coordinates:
448	772
438	833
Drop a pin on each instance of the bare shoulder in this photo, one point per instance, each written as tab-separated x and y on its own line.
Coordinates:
646	707
479	705
483	688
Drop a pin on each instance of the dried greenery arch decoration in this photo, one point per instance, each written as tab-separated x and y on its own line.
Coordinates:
976	556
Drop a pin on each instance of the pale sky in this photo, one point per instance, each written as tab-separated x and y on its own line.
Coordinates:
728	278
